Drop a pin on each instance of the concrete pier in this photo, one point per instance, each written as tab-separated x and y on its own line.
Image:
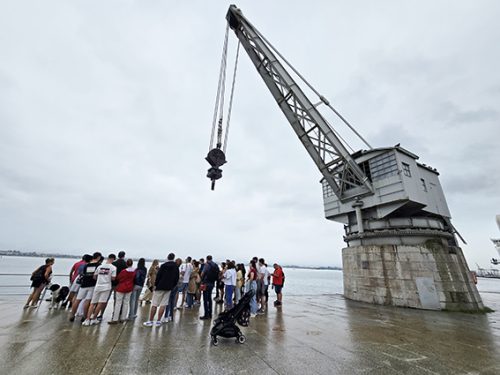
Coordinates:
424	276
309	335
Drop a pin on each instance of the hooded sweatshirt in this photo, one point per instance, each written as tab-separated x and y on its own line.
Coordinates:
126	280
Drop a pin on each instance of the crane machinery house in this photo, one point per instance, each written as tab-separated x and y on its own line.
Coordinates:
401	248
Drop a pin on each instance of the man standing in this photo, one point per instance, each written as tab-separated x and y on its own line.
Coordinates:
278	282
104	275
166	279
86	287
209	276
120	263
263	276
186	274
73	279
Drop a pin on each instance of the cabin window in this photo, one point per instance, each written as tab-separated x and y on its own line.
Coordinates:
327	189
424	186
383	166
406	170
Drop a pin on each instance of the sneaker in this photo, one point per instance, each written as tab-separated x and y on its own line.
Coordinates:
253	315
82	319
71	318
26	306
260	312
149	323
204	317
99	318
169	319
163	319
86	323
158	323
93	322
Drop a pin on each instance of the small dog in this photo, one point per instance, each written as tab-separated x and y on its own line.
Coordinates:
59	294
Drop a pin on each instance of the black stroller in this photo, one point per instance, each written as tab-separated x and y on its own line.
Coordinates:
225	324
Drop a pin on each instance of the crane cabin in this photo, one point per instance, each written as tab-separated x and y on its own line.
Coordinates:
407	199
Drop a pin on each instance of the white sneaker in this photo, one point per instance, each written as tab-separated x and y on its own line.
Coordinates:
253	315
169	319
94	322
157	323
86	323
149	323
163	319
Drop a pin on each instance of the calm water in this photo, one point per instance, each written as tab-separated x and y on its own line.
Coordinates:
298	281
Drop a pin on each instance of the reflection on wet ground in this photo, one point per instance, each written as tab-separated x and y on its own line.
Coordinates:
309	335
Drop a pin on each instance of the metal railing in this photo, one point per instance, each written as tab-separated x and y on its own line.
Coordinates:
23	287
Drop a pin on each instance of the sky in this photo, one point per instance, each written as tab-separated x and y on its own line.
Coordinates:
106	111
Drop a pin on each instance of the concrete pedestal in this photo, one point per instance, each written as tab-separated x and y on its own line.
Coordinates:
427	276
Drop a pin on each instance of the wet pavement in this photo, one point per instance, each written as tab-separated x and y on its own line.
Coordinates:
309	335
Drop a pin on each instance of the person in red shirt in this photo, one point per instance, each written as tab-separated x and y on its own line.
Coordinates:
74	287
123	291
278	281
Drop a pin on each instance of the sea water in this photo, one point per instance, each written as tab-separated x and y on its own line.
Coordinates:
15	278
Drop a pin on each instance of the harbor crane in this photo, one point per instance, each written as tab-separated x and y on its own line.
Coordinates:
401	245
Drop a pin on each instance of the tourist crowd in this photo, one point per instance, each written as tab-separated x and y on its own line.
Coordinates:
94	279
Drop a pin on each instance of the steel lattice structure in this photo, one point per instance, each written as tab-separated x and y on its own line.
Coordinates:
332	158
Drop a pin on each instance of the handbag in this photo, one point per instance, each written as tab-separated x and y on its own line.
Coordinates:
203	287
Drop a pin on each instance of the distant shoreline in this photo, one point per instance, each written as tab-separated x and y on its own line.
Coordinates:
35	254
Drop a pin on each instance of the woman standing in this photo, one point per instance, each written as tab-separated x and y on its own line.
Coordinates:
140	278
123	291
240	278
194	282
230	283
150	283
252	285
39	280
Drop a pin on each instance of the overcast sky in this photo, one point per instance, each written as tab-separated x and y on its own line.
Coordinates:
106	108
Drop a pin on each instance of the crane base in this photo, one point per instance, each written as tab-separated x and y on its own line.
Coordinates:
431	276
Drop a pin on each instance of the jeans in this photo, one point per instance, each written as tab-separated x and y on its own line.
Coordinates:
207	299
134	301
190	299
229	296
252	285
169	311
237	294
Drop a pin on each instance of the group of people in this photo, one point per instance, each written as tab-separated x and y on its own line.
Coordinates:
94	279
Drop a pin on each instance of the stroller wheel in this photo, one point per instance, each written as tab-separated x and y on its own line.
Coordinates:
241	339
215	342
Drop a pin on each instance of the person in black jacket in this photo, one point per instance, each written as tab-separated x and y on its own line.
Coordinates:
166	279
120	265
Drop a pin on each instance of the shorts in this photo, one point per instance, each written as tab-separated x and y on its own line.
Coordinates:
101	296
74	288
85	293
160	298
277	288
183	287
263	289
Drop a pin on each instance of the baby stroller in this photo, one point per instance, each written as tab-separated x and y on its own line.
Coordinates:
225	324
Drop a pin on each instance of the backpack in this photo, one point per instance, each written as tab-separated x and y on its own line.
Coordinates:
213	273
39	274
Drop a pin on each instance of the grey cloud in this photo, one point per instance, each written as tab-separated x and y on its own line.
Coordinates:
106	108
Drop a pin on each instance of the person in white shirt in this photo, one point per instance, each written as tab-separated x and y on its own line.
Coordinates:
263	276
230	283
105	274
185	271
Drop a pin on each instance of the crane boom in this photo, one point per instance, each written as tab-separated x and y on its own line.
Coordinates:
330	155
